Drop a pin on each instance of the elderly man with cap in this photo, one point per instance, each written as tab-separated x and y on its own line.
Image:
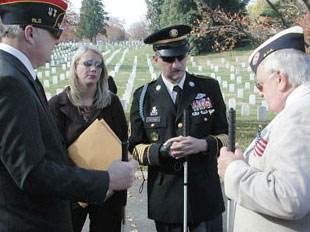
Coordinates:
270	181
156	137
35	180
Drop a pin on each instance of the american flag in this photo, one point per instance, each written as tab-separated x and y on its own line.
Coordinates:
260	147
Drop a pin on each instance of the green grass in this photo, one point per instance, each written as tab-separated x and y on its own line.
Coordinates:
246	126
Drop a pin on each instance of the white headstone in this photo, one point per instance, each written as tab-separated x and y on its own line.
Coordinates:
240	93
231	88
232	103
261	113
239	79
232	76
232	68
225	84
200	68
245	110
216	68
47	73
219	79
39	74
53	70
63	66
252	99
247	85
55	80
47	65
62	77
46	83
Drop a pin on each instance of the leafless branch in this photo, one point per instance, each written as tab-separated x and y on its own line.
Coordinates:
278	13
249	35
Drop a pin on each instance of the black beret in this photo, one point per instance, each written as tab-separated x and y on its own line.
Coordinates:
170	41
290	38
41	13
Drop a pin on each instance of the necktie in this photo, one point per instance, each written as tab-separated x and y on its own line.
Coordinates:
41	89
177	103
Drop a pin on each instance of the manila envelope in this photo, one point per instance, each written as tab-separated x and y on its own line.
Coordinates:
96	147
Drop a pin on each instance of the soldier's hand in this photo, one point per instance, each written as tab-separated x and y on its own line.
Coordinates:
184	146
122	174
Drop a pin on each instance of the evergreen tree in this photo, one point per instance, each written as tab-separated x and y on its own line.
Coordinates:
93	19
154	12
179	12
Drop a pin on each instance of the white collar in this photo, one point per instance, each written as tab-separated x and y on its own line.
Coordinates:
19	55
170	86
296	94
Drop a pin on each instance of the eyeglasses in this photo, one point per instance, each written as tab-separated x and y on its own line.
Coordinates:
89	63
171	59
56	32
260	84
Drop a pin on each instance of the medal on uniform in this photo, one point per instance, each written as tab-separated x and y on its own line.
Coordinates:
191	84
154	136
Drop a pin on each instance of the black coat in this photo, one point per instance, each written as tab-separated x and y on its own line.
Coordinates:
35	181
203	99
71	124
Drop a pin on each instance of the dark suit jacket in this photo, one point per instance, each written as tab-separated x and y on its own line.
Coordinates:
203	99
35	181
71	124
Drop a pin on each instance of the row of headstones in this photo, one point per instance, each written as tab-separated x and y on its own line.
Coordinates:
261	111
129	86
119	63
151	68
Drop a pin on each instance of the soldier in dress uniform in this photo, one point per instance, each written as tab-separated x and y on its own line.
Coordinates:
156	137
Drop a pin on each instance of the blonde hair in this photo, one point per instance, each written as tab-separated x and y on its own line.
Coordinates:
102	96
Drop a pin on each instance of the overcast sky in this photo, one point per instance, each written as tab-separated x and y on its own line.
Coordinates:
130	10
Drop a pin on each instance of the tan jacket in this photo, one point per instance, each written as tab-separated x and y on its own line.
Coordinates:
272	190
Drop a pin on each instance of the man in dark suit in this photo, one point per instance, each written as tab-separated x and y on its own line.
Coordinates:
35	180
156	137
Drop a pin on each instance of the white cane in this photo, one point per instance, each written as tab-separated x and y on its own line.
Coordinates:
185	197
185	166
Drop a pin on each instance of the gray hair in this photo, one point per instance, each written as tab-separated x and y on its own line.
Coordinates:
292	63
102	96
11	31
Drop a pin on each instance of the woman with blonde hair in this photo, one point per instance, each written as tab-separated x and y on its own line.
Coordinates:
86	99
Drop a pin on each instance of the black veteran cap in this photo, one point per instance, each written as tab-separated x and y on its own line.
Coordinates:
40	13
170	41
290	38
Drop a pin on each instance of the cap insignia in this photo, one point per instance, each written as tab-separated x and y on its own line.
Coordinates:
173	33
255	58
